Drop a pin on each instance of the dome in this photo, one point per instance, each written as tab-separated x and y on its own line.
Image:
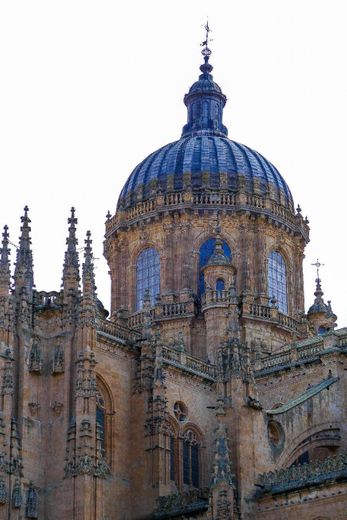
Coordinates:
204	158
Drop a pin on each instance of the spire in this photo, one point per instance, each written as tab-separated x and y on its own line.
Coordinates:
318	305
205	100
320	313
5	273
88	277
71	276
24	273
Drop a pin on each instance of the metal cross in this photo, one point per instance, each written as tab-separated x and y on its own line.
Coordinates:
318	265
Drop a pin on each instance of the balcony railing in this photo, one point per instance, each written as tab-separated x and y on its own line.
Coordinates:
305	475
189	363
117	331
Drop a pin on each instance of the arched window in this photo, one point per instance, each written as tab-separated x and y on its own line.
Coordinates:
206	251
191	462
220	285
277	280
147	276
101	419
104	414
171	445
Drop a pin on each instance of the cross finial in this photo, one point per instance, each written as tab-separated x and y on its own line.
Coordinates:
206	51
317	265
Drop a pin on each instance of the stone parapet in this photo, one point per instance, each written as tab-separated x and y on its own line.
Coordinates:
305	475
239	202
308	350
188	363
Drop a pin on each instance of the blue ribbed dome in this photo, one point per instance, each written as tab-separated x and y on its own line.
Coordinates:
205	158
203	154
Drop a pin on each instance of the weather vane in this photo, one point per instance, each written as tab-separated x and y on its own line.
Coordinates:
317	265
206	52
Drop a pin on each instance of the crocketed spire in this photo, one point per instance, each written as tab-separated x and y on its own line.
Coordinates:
71	276
88	277
24	273
5	273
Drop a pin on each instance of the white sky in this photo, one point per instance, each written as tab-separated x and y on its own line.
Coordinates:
89	89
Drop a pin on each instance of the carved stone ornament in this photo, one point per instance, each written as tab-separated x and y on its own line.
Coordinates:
58	360
17	495
35	358
3	492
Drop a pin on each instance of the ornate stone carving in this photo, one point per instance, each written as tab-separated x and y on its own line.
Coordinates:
58	360
85	379
303	475
35	358
3	492
8	382
17	495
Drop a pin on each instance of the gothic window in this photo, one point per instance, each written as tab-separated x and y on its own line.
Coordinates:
277	280
104	414
191	456
206	251
100	419
171	443
172	457
147	276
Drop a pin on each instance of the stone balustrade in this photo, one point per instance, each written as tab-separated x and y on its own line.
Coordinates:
215	298
233	201
310	351
276	360
117	331
189	363
264	312
163	311
305	475
46	299
307	349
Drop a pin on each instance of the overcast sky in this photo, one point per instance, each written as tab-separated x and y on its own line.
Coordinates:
89	89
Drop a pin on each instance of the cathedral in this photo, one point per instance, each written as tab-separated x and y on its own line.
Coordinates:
208	391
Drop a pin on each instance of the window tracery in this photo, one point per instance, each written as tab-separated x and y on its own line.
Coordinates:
191	470
277	280
147	276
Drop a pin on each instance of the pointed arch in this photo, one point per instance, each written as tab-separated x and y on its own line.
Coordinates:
171	450
104	412
192	441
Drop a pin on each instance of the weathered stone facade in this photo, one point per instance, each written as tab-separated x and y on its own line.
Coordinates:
207	398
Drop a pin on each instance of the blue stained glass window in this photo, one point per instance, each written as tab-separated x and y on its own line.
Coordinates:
100	421
147	276
277	280
206	251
